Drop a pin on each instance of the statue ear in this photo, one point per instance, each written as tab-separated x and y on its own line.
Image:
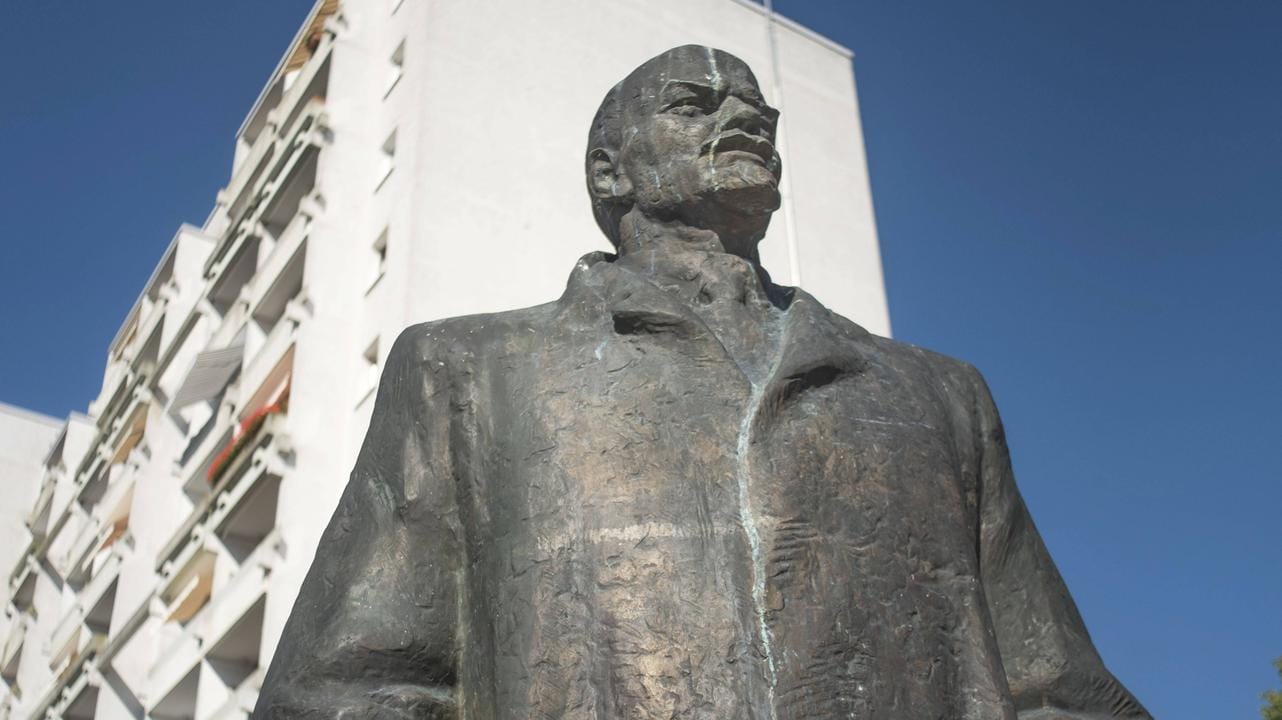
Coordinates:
606	181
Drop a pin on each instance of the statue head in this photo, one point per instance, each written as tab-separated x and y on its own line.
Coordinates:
687	138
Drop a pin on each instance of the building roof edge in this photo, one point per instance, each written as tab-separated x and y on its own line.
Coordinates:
31	415
798	28
284	57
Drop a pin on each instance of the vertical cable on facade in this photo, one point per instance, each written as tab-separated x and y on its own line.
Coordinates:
781	144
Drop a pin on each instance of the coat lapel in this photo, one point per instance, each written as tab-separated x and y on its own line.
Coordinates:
816	346
601	294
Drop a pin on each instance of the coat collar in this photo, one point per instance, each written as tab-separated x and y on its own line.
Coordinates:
816	346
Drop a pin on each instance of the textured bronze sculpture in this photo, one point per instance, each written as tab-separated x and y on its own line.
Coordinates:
681	491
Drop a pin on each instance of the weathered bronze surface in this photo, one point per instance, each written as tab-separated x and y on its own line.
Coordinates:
682	491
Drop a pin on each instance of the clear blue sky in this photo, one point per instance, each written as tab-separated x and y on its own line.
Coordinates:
1081	198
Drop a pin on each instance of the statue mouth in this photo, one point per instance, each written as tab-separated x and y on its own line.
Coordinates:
737	142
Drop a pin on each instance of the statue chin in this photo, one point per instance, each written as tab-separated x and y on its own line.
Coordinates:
744	197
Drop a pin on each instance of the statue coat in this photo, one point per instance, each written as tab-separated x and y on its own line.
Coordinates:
585	509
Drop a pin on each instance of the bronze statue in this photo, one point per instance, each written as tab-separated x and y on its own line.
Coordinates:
682	491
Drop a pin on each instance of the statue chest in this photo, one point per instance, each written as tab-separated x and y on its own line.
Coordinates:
602	441
645	517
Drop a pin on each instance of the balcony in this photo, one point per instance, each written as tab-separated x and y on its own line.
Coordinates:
280	274
22	584
311	83
88	617
70	563
71	647
120	430
105	524
195	470
145	351
246	514
233	659
117	382
233	272
263	456
130	421
98	595
233	603
74	690
37	519
116	502
268	374
273	195
79	700
240	701
218	626
178	701
219	622
295	175
11	648
65	642
236	194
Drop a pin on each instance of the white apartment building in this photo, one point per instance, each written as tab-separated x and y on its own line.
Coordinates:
407	160
25	437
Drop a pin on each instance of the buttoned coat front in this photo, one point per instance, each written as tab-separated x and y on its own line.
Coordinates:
587	510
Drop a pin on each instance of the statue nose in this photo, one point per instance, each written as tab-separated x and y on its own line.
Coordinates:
735	114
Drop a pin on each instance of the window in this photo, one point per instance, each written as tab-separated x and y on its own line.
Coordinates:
189	589
378	252
388	160
370	371
397	69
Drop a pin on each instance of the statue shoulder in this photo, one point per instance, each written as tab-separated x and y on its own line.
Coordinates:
451	340
955	377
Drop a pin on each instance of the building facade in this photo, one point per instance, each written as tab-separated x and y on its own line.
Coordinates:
25	438
407	160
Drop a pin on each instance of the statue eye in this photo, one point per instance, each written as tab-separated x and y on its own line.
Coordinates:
687	107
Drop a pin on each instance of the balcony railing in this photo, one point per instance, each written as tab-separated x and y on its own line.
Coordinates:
85	539
300	143
14	638
281	258
69	678
84	679
299	134
303	87
231	602
113	429
119	490
236	194
227	605
150	324
72	645
118	380
267	361
249	169
65	633
22	583
75	621
264	452
48	484
240	702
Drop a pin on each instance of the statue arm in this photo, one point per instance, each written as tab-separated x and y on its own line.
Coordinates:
1053	668
373	632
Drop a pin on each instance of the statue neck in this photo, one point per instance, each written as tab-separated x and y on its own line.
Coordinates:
690	261
731	293
643	235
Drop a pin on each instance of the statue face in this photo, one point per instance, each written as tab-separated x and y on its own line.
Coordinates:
698	143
